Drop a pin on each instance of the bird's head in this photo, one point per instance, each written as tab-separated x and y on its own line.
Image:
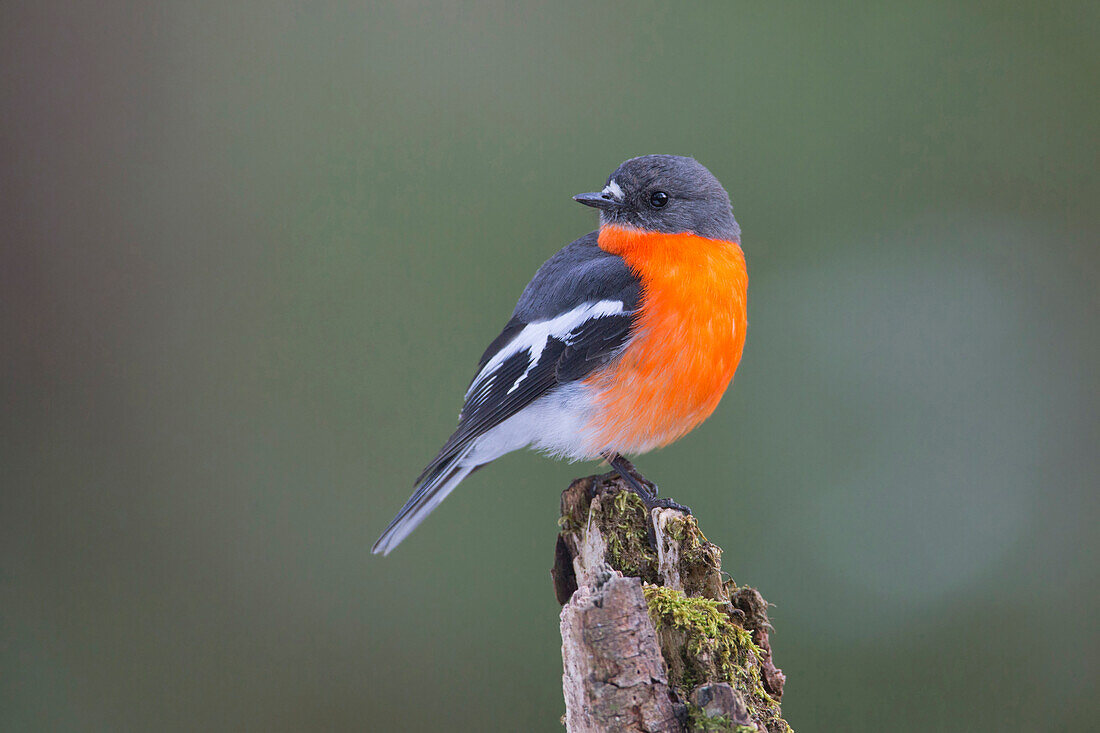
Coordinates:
665	193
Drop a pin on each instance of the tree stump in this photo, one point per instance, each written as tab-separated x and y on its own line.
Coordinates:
656	639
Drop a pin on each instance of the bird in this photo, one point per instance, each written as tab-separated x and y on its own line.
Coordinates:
623	341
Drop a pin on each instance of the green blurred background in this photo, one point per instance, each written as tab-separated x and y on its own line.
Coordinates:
252	252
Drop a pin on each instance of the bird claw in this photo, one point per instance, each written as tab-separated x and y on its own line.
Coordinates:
670	504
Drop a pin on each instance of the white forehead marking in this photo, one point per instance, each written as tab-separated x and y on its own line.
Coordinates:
613	189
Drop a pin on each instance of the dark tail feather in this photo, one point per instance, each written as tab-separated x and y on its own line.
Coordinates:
431	488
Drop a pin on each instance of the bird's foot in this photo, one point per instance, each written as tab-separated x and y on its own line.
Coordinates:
668	504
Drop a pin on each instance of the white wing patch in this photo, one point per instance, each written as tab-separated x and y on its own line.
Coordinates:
533	339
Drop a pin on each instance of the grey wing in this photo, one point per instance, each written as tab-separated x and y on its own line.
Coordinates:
574	316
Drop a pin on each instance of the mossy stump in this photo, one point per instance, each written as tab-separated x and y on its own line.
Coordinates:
656	639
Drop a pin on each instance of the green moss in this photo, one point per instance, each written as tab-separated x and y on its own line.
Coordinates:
623	521
698	720
700	644
567	523
700	562
676	528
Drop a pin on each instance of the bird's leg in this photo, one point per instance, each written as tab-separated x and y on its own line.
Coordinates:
626	470
636	480
639	483
625	465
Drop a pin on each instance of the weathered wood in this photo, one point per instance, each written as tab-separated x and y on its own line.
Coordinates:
610	651
656	638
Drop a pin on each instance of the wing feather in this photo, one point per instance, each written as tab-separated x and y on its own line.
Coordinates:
574	316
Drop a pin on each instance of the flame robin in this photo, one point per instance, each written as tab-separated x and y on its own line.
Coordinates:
622	342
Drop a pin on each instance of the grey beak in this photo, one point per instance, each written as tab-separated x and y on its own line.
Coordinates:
597	200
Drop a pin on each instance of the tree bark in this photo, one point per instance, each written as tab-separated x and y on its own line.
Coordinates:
655	637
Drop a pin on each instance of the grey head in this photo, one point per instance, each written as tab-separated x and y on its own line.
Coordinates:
665	193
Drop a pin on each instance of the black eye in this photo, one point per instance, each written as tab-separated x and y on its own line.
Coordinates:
658	199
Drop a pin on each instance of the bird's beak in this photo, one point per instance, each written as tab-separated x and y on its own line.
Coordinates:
597	200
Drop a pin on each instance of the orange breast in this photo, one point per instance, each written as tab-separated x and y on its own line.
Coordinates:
688	342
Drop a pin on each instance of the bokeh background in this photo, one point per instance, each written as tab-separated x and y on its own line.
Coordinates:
252	252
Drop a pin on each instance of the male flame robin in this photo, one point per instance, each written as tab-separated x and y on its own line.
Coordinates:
623	341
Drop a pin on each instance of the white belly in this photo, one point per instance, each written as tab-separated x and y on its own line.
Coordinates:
556	424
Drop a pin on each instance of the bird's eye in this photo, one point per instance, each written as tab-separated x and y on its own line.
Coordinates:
658	199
